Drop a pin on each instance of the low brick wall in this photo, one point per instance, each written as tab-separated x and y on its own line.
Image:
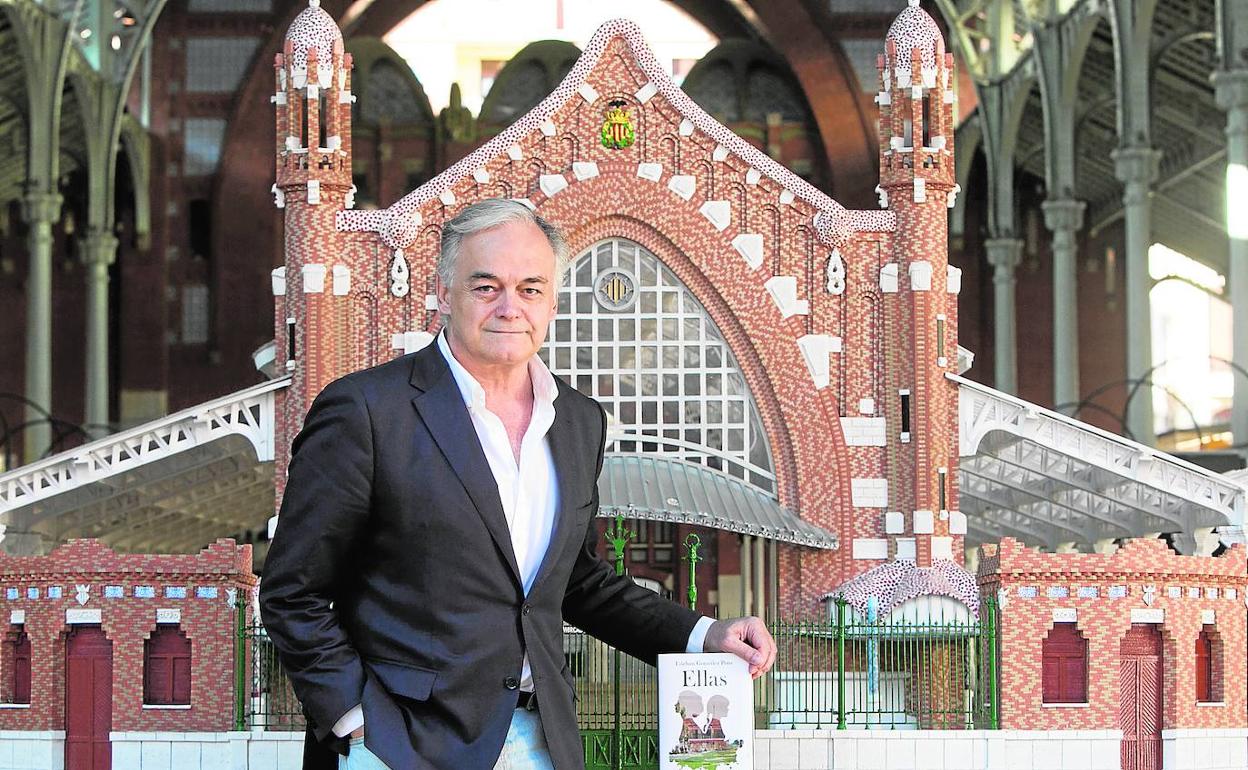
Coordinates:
1204	749
1143	582
937	750
254	750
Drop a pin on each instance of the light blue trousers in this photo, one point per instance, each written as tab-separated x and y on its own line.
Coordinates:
524	749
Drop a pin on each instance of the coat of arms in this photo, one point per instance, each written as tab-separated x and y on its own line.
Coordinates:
617	129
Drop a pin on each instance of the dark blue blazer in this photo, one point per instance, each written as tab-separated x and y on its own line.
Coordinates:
391	581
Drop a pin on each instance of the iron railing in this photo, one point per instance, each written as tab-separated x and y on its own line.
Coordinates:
263	696
842	672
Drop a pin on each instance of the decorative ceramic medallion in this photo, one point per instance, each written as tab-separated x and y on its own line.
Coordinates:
617	130
615	289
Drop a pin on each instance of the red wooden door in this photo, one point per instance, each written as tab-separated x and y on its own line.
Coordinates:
88	699
1140	693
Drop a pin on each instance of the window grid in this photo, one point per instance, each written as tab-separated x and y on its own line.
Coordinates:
659	366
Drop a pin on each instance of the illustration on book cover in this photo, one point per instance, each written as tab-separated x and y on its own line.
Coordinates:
706	712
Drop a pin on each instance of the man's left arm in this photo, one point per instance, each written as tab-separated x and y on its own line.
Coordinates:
642	623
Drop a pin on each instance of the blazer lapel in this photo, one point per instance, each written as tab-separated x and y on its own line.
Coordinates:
441	406
568	454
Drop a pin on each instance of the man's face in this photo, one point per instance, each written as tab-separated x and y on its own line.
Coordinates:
502	296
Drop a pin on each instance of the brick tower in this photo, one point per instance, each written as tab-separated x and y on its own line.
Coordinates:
313	152
917	182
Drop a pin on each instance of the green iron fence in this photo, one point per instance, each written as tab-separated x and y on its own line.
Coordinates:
842	672
263	697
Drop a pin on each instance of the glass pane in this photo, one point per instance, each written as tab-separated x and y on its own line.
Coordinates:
628	358
693	356
649	357
670	326
628	385
649	413
584	302
604	357
606	331
563	358
692	385
628	329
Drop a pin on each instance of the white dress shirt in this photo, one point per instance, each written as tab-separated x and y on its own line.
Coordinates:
529	489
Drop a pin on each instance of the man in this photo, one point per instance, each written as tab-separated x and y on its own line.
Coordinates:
437	529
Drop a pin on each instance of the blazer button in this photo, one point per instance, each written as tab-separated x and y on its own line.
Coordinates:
525	608
511	683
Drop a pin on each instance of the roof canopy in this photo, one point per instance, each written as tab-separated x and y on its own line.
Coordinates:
656	488
174	484
1048	479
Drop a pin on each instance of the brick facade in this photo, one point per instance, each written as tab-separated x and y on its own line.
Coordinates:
798	285
1037	588
210	581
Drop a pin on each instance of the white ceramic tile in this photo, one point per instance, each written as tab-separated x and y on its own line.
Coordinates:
784	755
813	753
900	753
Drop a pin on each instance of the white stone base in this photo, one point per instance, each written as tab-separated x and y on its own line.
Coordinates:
937	750
1204	749
32	749
254	750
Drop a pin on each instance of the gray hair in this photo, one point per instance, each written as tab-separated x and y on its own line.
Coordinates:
486	215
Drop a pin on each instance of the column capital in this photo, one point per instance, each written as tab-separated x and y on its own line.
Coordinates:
98	247
1230	88
1004	254
1064	214
1136	165
41	207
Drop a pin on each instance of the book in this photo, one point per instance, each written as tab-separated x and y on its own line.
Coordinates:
706	712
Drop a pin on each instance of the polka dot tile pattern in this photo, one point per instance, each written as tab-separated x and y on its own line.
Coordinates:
831	221
914	28
312	28
897	582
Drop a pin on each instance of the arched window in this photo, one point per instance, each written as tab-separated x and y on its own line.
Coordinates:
17	664
1065	665
167	667
1208	666
630	334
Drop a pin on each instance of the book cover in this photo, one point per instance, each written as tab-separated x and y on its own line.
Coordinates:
706	712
